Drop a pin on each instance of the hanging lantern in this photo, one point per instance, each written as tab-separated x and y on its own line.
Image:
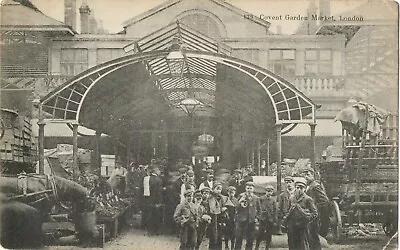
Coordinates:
190	105
175	58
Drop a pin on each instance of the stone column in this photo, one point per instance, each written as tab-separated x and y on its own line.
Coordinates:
75	150
278	158
312	155
98	155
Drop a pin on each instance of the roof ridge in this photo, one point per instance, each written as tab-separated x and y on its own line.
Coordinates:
169	3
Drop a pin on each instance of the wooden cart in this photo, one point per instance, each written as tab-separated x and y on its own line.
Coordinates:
363	186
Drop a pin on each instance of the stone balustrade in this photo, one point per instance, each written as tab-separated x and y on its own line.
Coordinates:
319	86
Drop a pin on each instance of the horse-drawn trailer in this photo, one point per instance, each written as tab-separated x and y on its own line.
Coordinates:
363	185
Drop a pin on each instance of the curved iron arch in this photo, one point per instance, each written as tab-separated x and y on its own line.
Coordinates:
80	85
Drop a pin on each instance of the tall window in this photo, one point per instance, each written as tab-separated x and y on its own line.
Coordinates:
107	54
282	61
318	62
73	61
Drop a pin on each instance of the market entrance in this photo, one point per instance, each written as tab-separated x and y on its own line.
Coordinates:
176	94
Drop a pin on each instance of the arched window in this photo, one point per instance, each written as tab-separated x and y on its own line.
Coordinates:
202	23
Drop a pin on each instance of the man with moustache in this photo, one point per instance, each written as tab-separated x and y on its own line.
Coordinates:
321	224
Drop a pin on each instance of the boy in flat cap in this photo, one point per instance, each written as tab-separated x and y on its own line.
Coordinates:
319	226
187	215
247	214
302	211
209	182
217	207
229	231
284	197
268	217
204	224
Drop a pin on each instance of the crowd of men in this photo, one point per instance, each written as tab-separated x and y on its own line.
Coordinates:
229	214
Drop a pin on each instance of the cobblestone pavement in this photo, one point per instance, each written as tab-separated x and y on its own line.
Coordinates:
133	238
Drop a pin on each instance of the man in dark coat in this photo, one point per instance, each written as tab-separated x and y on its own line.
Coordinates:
247	214
321	200
302	211
246	177
236	180
268	217
209	182
152	199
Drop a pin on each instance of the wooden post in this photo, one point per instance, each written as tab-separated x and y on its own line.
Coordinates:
98	155
75	150
128	152
312	156
41	146
252	154
361	155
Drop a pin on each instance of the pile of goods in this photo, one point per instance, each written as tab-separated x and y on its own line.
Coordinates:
364	229
109	204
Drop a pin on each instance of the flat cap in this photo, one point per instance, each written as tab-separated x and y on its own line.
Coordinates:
238	170
250	183
190	173
288	178
269	188
198	194
187	192
216	184
300	182
206	189
231	188
305	170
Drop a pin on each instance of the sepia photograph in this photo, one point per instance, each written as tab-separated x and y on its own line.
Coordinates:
199	124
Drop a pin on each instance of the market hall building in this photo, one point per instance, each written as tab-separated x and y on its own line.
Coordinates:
247	85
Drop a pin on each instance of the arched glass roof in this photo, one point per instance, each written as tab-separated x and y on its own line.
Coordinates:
136	90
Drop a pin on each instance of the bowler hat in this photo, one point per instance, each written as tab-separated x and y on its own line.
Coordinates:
210	171
182	170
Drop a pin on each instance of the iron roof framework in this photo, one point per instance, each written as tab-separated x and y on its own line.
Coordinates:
138	90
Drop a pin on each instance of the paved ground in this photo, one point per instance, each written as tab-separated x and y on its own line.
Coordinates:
133	238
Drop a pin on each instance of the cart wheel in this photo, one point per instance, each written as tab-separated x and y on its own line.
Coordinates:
390	227
335	222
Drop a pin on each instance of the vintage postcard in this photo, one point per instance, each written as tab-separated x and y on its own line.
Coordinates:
199	124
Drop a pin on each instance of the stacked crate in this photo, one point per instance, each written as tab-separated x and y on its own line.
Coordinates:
17	144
